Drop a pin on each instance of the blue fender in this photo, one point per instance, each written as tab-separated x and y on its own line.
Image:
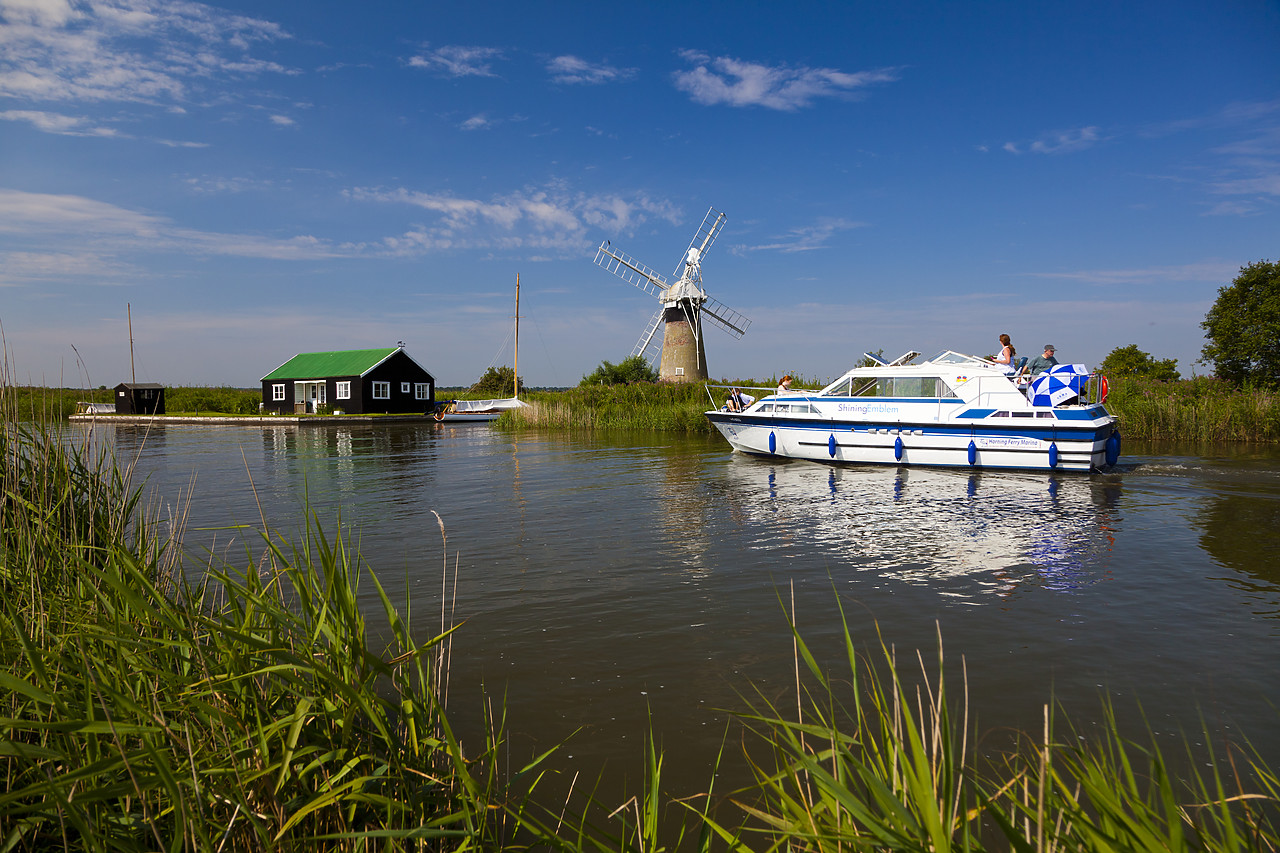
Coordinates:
1053	454
897	448
1113	448
831	445
773	443
973	453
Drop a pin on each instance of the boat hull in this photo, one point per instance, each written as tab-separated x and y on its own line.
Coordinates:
468	417
1080	445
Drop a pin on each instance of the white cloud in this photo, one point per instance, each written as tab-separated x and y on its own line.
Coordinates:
282	121
1209	271
27	213
1232	208
552	218
724	80
1258	185
24	268
459	60
1059	142
58	123
571	69
68	237
477	122
37	12
140	51
68	225
806	238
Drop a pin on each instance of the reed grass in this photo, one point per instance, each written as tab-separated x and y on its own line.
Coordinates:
248	709
1198	409
878	759
663	407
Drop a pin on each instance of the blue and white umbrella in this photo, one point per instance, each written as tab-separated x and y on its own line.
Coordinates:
1060	382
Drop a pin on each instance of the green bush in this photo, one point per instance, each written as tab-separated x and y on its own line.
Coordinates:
497	382
1131	361
629	370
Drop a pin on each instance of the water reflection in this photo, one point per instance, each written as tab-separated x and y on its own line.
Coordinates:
976	532
1240	530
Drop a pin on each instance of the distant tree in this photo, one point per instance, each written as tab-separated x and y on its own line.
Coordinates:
1131	361
633	369
1243	327
496	382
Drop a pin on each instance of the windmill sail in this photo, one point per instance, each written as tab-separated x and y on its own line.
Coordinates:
702	240
684	303
630	270
646	340
725	317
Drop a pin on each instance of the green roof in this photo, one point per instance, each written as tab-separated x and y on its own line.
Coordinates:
317	365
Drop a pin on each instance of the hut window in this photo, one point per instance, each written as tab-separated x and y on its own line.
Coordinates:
421	391
404	387
342	391
277	392
382	390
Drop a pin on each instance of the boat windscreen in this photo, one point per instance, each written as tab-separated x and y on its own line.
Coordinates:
950	357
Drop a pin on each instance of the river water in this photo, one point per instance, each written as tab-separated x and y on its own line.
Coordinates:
609	584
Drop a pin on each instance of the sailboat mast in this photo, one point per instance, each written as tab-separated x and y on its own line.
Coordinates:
516	379
133	375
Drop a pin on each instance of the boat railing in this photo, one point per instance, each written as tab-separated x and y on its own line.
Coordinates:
731	388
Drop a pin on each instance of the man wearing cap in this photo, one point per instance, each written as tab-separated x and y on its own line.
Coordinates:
1041	363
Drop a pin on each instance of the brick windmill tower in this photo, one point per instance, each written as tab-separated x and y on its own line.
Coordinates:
684	304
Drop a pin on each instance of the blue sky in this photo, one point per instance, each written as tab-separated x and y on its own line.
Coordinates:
261	179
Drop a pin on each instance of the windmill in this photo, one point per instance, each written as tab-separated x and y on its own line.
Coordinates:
684	304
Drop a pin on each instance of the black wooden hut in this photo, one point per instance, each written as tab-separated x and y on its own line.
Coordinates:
139	398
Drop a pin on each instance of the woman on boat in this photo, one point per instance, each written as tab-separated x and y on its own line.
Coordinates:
1007	354
785	385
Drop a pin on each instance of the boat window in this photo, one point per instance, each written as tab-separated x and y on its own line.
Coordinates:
912	386
1044	414
1001	415
1022	414
766	407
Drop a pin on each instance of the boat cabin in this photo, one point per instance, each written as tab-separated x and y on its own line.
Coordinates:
365	381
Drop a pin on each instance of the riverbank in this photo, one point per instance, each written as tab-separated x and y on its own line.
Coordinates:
247	420
1197	409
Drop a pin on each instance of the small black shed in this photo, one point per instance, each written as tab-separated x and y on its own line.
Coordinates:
139	398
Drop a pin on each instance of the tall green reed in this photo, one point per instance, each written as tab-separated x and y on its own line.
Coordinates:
1198	409
641	406
247	709
875	758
